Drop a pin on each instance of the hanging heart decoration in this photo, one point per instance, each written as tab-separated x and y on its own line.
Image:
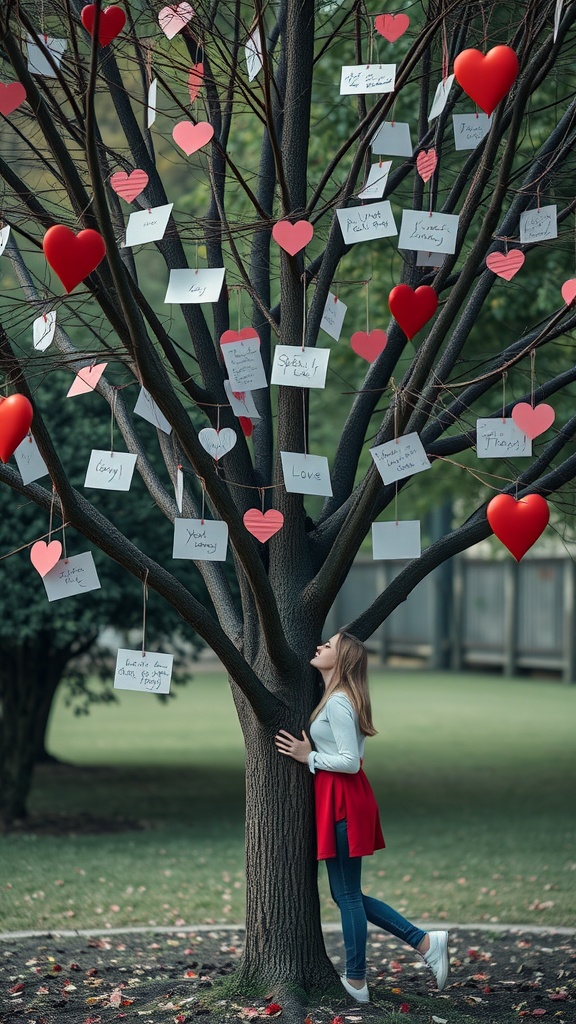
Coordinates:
569	291
247	425
129	186
486	78
370	344
426	163
263	525
15	421
191	137
505	265
195	79
412	309
45	556
391	26
173	19
292	237
533	421
518	524
242	335
11	97
217	442
110	25
72	257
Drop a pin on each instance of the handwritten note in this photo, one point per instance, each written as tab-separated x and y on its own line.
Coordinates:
333	316
241	402
396	540
440	97
38	61
367	78
244	364
147	225
110	471
186	286
146	408
470	129
29	461
149	673
392	139
428	232
43	331
501	439
361	223
538	225
71	576
300	368
398	459
203	541
376	180
306	474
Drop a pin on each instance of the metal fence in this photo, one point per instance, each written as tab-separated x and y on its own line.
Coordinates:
472	613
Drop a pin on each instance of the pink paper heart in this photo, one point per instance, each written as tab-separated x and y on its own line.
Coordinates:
569	291
533	421
505	265
391	26
263	525
173	19
191	137
128	186
195	78
369	346
44	556
11	96
86	379
426	163
292	237
230	336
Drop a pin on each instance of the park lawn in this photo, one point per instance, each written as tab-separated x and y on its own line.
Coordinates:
474	776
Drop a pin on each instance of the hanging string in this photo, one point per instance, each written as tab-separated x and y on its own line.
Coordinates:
238	305
65	553
367	307
532	375
304	311
149	62
504	375
112	419
262	493
203	502
304	419
51	512
396	502
144	600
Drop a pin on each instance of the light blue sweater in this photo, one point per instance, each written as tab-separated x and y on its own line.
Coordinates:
337	737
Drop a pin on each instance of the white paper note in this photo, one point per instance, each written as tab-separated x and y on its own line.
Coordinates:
501	439
202	541
295	367
430	259
392	139
147	225
43	330
253	55
306	474
557	17
367	78
179	489
146	408
4	236
38	63
362	223
148	672
71	576
152	99
428	232
398	459
470	129
241	402
538	225
333	316
185	286
440	97
376	180
396	540
244	364
110	471
29	461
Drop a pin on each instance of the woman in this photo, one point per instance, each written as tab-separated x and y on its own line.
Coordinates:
347	820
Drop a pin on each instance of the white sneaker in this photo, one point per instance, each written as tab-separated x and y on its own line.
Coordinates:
437	957
361	995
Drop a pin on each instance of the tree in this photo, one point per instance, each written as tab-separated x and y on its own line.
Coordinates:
272	158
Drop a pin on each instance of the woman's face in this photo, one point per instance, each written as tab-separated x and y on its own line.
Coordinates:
325	657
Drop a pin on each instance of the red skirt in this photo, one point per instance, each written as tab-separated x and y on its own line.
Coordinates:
342	795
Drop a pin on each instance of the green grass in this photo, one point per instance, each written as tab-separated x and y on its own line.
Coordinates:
474	776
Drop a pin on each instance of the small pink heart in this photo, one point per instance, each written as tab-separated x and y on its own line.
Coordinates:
128	186
195	79
533	421
173	19
191	137
292	237
11	96
369	346
391	26
426	163
569	291
44	556
263	525
86	379
230	336
505	265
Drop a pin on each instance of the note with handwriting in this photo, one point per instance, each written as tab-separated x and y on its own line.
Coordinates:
244	364
306	474
241	402
147	225
376	180
538	225
333	316
297	367
148	672
202	540
146	408
71	576
501	439
186	286
30	463
428	232
470	129
362	79
398	459
110	471
362	223
396	540
392	139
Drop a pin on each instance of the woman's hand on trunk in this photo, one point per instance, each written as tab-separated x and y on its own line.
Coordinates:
288	744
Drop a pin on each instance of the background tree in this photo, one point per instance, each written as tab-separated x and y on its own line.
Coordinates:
271	157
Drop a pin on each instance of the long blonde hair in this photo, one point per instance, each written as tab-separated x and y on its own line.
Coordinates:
350	676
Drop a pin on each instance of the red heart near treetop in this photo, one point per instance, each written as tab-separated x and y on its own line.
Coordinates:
412	309
486	78
15	421
111	23
518	524
72	257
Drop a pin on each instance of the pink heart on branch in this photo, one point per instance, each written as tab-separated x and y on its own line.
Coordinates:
128	186
369	345
263	525
11	97
391	26
292	237
192	137
505	265
533	421
426	162
44	556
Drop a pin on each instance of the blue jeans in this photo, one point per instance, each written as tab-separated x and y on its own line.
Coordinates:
344	875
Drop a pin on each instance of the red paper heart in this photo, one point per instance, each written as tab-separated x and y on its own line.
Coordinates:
369	346
11	96
191	137
230	336
505	265
426	163
247	425
72	257
195	78
128	186
569	291
112	21
412	309
263	525
486	78
533	421
518	524
44	556
15	420
292	237
391	26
